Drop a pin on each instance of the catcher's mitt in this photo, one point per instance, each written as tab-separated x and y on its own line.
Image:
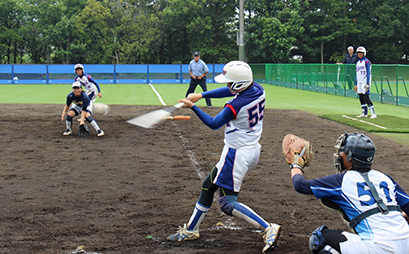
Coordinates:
83	130
297	151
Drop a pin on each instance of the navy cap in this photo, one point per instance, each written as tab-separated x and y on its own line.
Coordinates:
196	53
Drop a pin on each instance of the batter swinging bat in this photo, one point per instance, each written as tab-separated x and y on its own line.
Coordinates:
152	119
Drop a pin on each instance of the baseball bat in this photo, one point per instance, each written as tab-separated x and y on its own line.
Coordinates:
154	118
177	118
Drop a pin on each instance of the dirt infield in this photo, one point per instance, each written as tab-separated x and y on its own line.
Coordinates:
111	193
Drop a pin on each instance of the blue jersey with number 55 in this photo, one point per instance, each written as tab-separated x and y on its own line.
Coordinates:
248	109
353	195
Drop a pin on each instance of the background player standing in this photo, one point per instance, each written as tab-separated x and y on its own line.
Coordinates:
243	120
198	70
80	104
350	59
91	86
363	82
369	200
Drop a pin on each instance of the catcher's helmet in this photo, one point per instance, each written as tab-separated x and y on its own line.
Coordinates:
361	49
78	66
359	147
239	73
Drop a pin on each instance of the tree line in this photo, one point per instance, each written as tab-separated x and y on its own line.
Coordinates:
168	31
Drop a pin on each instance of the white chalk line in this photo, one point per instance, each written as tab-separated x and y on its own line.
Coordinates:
362	121
228	223
157	94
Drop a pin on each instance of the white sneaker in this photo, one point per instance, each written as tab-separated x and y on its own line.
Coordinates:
270	236
67	132
374	116
183	234
100	133
362	115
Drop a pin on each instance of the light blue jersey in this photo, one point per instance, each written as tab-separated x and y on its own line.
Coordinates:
198	68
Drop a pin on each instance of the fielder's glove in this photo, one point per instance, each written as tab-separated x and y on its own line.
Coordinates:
83	130
366	87
297	151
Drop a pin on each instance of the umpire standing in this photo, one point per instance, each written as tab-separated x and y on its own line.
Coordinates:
198	70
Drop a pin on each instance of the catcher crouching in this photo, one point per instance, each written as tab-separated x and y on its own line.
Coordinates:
371	202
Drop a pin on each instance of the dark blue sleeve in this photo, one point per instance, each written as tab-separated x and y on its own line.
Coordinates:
345	60
69	101
368	74
220	92
96	84
225	116
354	58
401	196
301	185
85	100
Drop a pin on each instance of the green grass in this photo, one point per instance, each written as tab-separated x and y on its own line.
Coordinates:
142	94
384	123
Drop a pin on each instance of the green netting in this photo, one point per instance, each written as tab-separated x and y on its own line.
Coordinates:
388	81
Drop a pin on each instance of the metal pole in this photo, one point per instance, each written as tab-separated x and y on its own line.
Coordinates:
242	52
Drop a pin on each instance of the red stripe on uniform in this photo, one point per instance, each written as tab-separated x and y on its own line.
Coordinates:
233	110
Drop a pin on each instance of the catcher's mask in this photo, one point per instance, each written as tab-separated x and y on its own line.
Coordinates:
359	147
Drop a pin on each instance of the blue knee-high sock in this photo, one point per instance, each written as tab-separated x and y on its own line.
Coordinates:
246	213
93	123
198	214
364	109
372	109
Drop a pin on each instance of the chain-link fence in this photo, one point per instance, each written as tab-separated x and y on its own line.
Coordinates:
388	81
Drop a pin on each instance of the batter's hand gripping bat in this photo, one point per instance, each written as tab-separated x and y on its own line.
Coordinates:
154	118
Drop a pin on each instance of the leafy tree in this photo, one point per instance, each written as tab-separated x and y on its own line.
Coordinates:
202	25
11	17
383	32
272	30
327	24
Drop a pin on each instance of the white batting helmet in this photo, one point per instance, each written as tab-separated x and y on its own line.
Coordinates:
239	73
361	49
78	66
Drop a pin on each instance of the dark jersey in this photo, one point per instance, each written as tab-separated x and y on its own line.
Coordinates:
81	101
350	59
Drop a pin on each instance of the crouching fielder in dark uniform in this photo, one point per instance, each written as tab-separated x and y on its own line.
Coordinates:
80	104
370	201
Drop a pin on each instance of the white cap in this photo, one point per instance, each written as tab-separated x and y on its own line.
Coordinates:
78	66
350	47
76	84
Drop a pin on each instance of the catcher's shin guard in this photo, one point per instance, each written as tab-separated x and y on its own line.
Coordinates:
317	241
